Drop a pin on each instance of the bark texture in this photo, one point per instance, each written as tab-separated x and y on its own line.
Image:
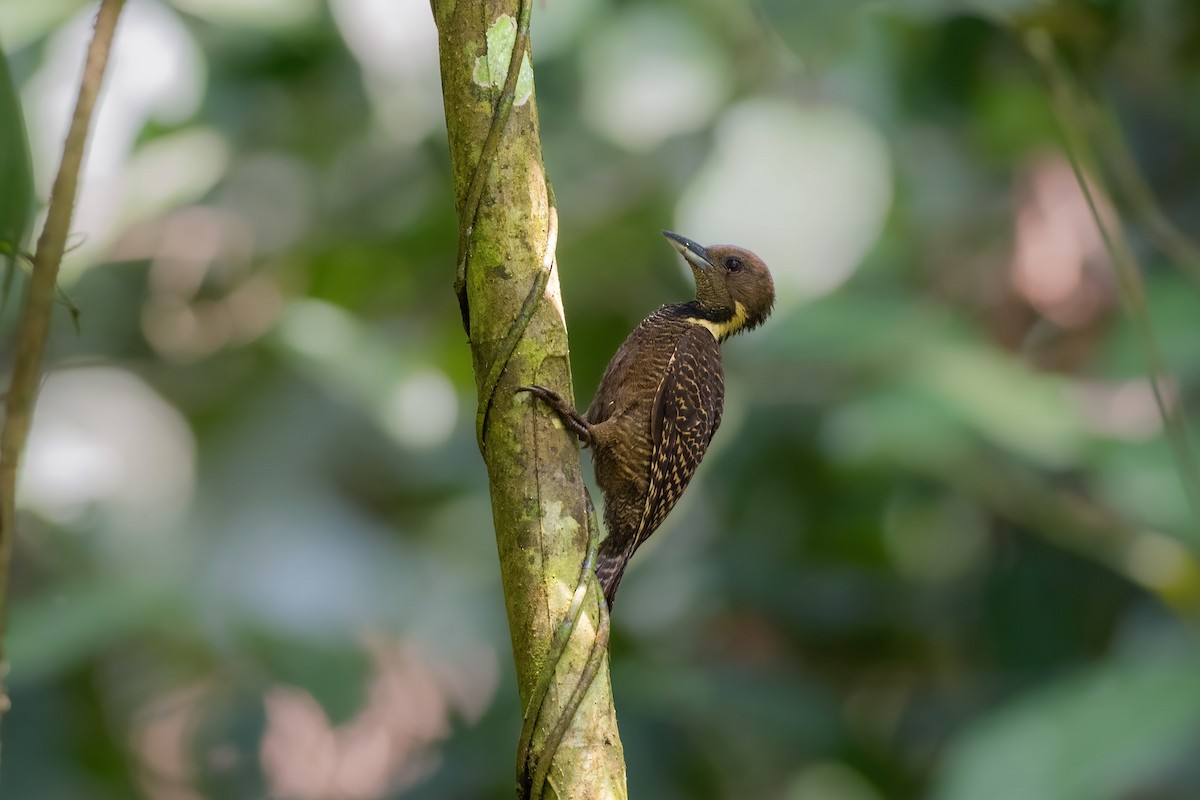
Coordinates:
537	489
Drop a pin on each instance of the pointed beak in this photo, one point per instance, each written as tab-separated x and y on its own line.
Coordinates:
695	255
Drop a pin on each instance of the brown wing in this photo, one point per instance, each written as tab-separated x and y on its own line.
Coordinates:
687	411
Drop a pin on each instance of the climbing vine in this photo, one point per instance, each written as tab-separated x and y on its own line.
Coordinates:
506	285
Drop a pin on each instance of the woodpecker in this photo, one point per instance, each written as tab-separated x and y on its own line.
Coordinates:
660	399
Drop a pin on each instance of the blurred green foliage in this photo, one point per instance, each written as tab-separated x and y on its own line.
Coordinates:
16	176
939	547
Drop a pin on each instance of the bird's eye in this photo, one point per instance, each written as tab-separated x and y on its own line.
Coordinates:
733	264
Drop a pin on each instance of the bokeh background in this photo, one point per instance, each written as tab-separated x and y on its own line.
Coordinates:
940	548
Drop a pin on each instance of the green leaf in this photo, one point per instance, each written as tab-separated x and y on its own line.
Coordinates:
813	29
819	28
928	10
23	22
1001	399
857	328
53	633
16	177
334	673
1093	736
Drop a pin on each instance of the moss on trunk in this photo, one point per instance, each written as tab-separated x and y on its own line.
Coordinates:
533	465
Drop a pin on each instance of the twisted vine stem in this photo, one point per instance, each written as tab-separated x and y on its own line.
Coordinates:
532	768
531	784
487	155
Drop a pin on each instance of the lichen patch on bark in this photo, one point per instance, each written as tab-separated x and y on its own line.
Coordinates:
491	69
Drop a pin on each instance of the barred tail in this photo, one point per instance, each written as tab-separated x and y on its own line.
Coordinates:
610	566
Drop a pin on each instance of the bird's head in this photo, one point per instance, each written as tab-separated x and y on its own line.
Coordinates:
733	286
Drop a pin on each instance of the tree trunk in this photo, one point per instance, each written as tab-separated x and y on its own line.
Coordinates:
518	337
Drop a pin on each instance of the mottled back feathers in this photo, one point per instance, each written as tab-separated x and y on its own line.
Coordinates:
659	402
657	408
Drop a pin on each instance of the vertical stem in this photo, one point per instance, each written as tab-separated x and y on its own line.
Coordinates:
38	306
1129	274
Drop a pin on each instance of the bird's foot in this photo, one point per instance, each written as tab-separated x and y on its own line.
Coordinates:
571	419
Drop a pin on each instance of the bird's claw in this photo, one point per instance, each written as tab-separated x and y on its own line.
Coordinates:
566	414
537	391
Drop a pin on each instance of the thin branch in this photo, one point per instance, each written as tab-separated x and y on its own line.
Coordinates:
1129	278
38	306
1073	522
1165	234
